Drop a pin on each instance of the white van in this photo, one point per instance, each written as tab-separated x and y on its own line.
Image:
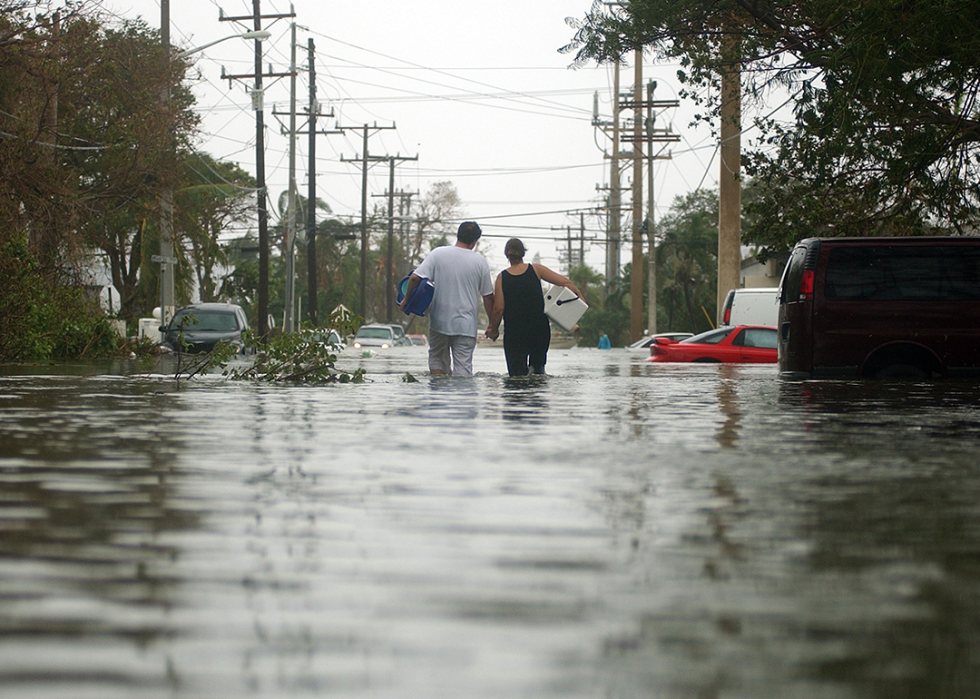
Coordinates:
751	307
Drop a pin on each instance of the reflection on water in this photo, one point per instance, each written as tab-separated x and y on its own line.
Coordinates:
615	529
525	400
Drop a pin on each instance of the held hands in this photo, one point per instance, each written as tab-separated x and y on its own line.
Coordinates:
492	333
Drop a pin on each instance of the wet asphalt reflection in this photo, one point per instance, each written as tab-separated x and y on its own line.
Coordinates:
616	529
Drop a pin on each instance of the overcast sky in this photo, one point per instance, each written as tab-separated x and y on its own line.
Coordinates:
477	90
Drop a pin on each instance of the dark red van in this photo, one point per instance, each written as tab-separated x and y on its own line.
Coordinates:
881	308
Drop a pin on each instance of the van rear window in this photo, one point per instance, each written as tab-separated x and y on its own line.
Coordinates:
913	273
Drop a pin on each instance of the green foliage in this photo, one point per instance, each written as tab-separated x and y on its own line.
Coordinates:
191	365
90	145
301	357
212	196
344	321
687	263
884	132
606	313
43	321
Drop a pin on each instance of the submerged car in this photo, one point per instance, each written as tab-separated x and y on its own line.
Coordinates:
741	344
647	340
381	335
329	337
199	327
419	340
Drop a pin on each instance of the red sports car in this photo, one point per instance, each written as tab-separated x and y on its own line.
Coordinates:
742	344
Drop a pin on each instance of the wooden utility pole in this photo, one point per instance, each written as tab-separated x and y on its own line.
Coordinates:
390	256
615	203
365	158
289	321
166	257
311	267
312	132
650	136
262	326
636	272
614	199
651	221
729	184
654	135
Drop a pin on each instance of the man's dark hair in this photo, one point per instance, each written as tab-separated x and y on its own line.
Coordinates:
469	232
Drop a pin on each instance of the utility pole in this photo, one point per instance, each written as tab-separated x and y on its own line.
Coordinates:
390	253
650	137
636	272
311	281
729	184
166	258
571	253
614	199
364	159
654	135
390	262
566	255
404	209
313	112
651	227
262	212
612	251
311	261
290	228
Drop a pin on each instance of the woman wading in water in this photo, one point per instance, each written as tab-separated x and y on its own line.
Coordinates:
519	302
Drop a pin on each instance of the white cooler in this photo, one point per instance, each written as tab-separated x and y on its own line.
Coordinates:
563	306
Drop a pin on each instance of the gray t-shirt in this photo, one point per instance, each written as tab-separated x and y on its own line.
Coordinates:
461	278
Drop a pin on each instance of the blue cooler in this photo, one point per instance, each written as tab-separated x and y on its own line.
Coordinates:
420	299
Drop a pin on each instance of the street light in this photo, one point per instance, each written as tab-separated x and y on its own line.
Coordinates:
167	258
260	35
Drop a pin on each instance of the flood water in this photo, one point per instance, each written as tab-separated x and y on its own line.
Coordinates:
615	530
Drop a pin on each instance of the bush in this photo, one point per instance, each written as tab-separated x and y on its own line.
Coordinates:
42	320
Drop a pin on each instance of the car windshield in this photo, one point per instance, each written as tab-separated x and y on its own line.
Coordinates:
375	333
712	337
206	321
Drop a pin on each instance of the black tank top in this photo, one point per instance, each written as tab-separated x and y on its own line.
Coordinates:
524	304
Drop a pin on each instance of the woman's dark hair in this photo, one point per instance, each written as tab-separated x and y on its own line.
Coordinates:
469	232
514	249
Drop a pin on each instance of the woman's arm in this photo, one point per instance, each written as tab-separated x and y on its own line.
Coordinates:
493	330
555	278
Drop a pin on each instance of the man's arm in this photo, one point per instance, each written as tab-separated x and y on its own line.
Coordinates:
413	282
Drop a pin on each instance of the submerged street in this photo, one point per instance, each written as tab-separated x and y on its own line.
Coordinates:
617	529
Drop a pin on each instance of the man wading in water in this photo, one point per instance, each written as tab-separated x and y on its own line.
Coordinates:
461	276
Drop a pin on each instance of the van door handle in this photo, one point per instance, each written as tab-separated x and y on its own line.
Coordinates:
784	332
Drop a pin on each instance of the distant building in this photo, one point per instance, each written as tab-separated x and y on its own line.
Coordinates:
756	275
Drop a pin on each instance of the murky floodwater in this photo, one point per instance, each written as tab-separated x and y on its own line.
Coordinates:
617	529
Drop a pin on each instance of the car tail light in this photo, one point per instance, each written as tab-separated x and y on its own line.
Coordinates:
728	316
656	348
806	284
